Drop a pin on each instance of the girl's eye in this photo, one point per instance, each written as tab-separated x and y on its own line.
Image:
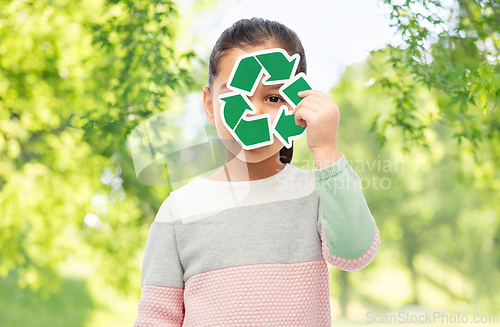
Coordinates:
274	98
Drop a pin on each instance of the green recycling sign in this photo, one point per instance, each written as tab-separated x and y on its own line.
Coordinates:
277	67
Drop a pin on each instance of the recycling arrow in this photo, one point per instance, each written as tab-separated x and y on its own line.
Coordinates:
246	75
278	68
285	128
251	131
234	108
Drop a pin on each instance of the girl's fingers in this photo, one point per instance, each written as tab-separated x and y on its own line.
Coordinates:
303	115
307	93
311	103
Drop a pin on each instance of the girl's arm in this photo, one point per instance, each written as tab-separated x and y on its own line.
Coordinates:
349	235
162	296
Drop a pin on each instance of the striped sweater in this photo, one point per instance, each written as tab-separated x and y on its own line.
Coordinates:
255	253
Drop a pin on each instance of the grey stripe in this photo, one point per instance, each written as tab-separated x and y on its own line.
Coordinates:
278	232
161	265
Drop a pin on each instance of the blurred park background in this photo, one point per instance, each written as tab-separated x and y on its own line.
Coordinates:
419	123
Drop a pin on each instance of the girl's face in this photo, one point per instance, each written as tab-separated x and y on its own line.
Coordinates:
266	99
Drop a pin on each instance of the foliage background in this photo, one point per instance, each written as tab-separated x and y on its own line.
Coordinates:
77	76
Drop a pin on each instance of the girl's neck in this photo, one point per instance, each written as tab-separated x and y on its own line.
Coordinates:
236	170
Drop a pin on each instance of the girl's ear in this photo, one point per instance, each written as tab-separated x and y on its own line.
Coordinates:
208	104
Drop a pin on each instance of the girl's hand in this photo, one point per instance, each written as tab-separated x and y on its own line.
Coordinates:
321	115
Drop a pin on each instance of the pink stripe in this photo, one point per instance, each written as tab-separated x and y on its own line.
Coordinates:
160	306
350	264
278	294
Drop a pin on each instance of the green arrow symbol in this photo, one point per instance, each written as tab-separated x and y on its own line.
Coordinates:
234	107
278	66
250	131
285	128
246	75
253	132
289	91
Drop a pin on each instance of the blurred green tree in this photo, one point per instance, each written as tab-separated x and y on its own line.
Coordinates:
455	50
435	97
428	204
75	78
452	49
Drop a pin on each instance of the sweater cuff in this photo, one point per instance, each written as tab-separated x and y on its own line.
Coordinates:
332	170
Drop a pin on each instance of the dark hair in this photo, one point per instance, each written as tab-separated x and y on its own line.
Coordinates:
253	32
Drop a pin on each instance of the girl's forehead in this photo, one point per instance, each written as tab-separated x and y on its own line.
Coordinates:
227	63
231	55
234	53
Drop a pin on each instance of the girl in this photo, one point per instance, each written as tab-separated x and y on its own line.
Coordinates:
249	245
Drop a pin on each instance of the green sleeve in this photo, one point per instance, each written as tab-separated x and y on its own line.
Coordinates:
344	214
